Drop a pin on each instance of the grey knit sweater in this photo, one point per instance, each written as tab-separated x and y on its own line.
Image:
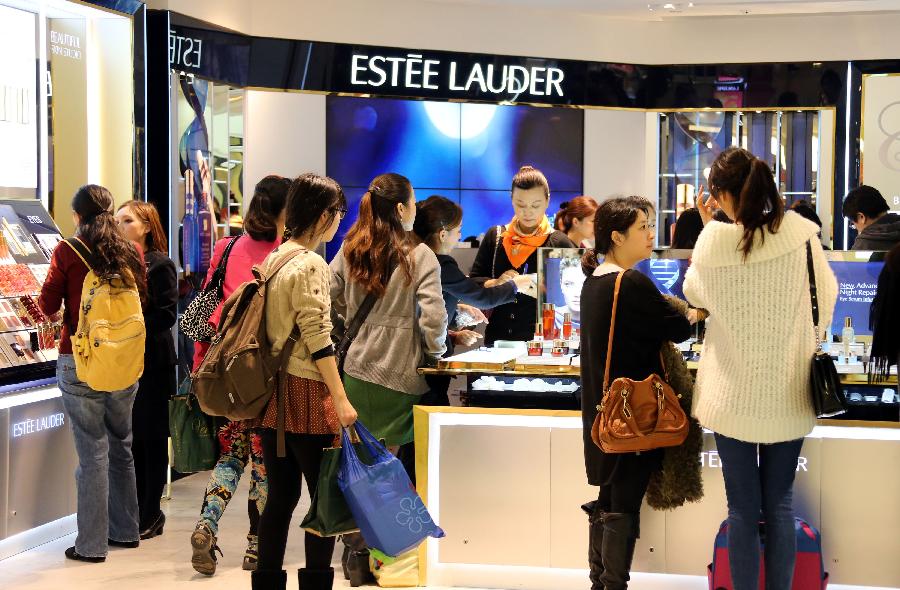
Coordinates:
408	322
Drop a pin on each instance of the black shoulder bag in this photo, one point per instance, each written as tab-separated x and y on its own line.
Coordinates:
343	347
825	385
194	321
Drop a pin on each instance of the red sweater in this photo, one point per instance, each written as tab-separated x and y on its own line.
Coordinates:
63	284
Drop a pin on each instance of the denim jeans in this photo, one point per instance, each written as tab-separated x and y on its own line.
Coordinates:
759	481
107	496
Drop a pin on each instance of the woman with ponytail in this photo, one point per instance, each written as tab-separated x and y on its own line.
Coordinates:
406	328
575	218
753	392
101	421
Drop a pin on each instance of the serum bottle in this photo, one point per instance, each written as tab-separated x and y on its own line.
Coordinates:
848	337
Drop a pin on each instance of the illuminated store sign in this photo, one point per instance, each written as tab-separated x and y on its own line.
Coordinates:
32	426
415	72
184	52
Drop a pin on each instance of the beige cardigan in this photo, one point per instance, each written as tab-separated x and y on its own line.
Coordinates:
300	294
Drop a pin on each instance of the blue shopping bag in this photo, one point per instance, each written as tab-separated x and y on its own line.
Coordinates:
387	509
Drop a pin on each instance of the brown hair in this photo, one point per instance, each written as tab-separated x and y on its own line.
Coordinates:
578	208
378	236
613	215
149	216
434	214
529	177
269	198
113	253
757	203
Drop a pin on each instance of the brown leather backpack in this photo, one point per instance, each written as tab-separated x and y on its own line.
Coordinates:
634	415
239	375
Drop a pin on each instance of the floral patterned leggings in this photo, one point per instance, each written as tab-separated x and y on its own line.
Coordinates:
238	447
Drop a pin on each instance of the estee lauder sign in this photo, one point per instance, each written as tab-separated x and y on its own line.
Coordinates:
416	72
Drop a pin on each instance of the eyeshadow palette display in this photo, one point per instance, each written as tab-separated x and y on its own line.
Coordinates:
28	337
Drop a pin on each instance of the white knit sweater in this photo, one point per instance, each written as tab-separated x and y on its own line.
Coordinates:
753	379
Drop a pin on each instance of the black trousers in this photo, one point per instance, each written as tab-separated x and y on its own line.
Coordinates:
151	458
304	456
625	493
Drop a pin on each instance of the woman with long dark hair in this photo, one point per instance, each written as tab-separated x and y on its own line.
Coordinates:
139	222
311	390
239	448
624	233
406	327
752	277
511	250
101	421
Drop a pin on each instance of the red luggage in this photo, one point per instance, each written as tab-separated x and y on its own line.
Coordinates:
809	569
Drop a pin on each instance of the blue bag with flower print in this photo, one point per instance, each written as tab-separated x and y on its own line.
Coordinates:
387	509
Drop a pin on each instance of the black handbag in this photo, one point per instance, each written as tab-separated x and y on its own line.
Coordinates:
194	321
825	385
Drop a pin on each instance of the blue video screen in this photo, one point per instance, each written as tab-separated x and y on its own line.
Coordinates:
857	283
666	274
466	152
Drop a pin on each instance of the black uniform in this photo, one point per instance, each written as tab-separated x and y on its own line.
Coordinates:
514	320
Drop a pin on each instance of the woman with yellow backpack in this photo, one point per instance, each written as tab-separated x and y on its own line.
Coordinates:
100	276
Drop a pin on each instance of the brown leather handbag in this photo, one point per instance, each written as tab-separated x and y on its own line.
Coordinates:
636	415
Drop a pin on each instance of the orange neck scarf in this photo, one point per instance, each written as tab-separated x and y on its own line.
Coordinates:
518	247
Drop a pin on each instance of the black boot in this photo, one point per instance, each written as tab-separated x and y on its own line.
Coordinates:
595	543
357	568
315	579
620	533
268	580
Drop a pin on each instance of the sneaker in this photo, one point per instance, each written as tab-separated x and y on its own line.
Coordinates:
203	542
251	556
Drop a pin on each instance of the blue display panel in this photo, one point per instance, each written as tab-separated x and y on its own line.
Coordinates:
465	152
666	274
857	283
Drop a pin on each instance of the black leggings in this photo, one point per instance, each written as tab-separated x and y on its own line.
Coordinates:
304	454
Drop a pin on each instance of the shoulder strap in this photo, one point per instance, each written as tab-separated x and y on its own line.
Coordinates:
217	280
82	251
612	329
813	296
496	247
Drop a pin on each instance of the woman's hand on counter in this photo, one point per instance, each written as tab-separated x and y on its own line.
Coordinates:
466	337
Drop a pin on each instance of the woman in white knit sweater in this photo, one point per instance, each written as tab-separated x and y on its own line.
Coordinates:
752	385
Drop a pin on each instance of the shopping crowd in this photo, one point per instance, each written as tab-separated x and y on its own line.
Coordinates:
747	280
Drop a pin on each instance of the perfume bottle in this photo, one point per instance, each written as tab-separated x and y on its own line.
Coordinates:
205	233
848	337
549	320
567	326
190	247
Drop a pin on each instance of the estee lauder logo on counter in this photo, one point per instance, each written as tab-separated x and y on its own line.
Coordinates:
31	426
65	45
184	52
414	72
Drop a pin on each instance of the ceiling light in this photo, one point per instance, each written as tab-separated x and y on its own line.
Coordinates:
669	6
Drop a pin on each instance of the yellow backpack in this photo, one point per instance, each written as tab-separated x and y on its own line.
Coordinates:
108	344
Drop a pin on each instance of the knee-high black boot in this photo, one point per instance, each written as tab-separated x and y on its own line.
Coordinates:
315	579
595	543
620	533
268	579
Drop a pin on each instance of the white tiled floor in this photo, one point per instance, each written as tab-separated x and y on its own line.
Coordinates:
164	562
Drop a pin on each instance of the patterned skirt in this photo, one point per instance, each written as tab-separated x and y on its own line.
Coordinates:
308	408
